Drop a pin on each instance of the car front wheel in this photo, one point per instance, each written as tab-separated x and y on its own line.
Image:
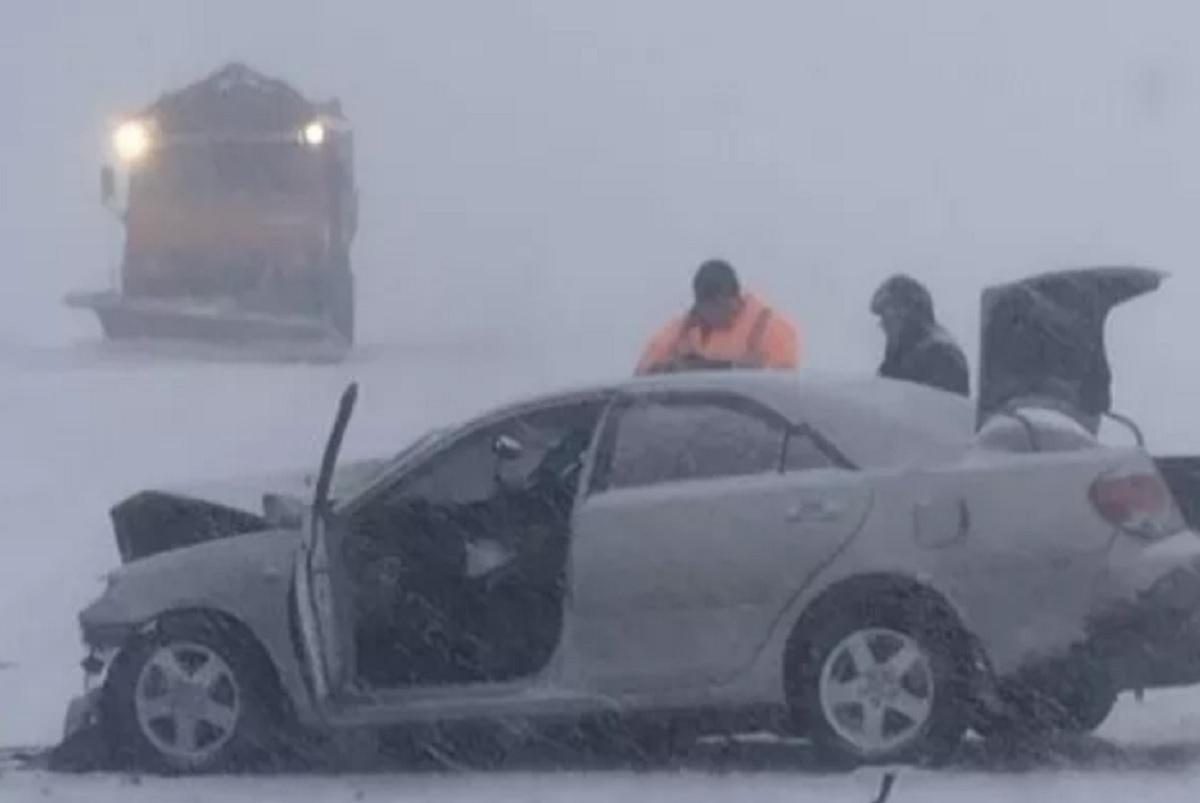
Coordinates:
187	699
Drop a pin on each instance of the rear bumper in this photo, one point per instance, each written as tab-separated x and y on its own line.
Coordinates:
1154	640
1146	633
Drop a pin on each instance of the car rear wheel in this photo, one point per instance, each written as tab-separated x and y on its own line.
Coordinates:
879	683
188	699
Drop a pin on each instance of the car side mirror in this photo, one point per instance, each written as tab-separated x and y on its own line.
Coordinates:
506	448
108	185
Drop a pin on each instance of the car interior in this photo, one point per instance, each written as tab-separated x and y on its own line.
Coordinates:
459	570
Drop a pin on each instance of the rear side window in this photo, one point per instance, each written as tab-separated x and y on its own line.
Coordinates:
805	454
675	441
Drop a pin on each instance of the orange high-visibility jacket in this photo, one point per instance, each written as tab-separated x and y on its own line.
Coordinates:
758	337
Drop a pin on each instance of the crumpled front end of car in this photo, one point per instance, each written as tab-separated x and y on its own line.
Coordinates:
246	580
84	745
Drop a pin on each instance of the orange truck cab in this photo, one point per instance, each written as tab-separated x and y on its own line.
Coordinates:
238	201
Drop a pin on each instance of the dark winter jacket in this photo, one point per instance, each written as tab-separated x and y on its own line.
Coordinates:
928	355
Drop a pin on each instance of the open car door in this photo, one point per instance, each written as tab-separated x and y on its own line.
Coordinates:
326	631
1044	337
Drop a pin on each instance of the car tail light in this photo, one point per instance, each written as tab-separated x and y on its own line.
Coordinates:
1139	503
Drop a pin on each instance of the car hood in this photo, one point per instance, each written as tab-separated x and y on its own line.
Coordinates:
246	493
1044	337
265	548
239	575
155	521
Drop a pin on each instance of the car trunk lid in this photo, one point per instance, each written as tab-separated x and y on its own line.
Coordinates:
1043	337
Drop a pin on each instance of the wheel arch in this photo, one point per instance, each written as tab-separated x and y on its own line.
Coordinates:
913	605
240	634
890	588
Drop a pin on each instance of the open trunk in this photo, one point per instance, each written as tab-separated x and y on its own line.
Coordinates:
1043	338
1042	342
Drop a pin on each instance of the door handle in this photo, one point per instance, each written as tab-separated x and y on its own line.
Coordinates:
814	511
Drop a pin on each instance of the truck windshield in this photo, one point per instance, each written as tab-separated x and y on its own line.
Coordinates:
231	168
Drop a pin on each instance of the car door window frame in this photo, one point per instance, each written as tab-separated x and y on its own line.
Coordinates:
600	479
837	459
404	473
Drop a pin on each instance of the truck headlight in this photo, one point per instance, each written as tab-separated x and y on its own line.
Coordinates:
314	134
132	141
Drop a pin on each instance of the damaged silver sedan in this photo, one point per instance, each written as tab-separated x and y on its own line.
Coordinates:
871	564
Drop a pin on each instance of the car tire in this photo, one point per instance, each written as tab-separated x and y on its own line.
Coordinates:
879	681
192	697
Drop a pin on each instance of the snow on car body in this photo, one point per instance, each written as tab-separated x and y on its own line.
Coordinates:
847	553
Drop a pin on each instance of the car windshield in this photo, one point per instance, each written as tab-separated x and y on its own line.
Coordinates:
417	445
352	478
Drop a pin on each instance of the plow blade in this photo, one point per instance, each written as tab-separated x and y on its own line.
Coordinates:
222	325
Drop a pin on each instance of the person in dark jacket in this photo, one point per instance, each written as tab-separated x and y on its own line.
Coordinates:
918	349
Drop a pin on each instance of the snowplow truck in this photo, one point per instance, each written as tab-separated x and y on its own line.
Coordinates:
239	207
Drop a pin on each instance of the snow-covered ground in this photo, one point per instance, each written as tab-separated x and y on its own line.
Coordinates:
1062	787
1095	772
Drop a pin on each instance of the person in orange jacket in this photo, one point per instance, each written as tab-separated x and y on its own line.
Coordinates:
725	328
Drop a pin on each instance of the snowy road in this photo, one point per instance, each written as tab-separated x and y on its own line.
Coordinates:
585	788
1067	787
1089	770
88	424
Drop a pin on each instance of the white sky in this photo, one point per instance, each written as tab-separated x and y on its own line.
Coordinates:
555	169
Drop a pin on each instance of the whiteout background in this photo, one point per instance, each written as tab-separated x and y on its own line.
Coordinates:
539	180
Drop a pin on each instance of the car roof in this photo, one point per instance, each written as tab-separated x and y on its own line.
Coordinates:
875	422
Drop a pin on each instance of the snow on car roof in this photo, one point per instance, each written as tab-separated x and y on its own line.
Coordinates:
876	423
